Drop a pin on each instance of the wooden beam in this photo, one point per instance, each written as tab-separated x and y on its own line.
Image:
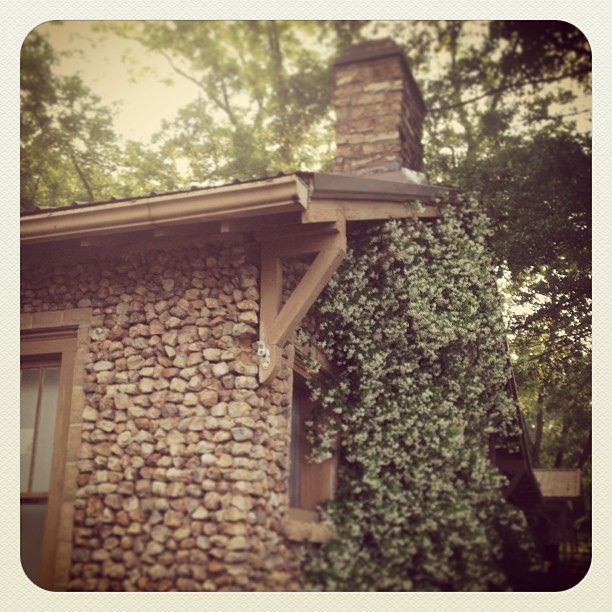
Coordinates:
305	245
270	300
516	478
271	233
194	229
276	323
309	351
282	222
305	294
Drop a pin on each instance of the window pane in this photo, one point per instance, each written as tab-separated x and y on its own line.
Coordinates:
32	530
28	397
46	428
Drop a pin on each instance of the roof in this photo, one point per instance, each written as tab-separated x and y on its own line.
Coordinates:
153	194
560	483
302	197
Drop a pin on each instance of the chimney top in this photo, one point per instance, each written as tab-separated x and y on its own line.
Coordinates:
380	48
379	110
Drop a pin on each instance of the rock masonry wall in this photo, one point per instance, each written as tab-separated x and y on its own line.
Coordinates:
183	465
378	118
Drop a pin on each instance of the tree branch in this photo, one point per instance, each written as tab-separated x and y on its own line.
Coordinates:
82	176
178	70
517	85
560	116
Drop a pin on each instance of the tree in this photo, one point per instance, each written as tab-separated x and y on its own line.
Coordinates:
68	146
264	93
503	99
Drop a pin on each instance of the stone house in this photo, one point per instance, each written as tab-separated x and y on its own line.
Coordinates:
164	326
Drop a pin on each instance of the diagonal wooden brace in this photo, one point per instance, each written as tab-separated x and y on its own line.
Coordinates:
276	323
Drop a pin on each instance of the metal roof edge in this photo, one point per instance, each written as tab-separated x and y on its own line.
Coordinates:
161	194
287	193
341	186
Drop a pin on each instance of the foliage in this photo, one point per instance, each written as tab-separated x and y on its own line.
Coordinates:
487	82
545	251
68	147
503	100
413	321
264	92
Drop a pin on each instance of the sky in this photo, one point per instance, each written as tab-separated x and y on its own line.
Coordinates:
106	63
105	67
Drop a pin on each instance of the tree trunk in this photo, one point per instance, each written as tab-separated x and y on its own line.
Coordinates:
586	450
82	177
537	442
562	442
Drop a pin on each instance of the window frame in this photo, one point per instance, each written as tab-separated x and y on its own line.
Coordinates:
62	336
322	476
303	521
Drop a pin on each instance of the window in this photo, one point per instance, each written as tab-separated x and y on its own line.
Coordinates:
309	483
39	391
50	435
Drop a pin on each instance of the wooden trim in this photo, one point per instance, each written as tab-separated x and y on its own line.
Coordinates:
271	288
271	235
40	386
34	497
303	523
304	352
56	338
516	478
321	211
305	526
270	301
45	322
305	294
282	222
305	516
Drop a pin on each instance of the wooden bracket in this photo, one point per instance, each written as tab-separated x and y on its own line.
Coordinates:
278	323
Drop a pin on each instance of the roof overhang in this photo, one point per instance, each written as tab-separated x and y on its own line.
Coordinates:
289	216
269	196
559	483
310	197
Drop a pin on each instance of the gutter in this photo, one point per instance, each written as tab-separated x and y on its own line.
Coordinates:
316	195
268	196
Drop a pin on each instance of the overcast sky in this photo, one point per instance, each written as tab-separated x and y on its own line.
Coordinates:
102	67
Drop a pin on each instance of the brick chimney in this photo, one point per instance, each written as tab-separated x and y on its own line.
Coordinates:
379	113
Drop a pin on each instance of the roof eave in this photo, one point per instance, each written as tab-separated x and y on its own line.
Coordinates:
268	196
341	186
315	197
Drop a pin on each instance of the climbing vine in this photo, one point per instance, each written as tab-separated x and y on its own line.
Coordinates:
413	321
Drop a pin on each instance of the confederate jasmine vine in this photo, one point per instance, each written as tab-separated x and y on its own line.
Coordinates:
414	323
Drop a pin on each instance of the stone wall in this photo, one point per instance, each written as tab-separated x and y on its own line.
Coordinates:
183	464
